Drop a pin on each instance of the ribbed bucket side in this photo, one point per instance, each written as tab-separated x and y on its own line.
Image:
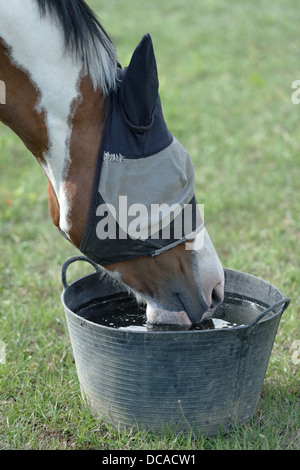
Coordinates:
208	381
159	380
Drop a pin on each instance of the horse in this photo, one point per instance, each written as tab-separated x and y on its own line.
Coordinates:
60	71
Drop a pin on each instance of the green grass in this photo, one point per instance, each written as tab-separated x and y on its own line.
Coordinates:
226	70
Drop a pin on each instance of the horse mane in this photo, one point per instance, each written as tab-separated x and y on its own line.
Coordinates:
85	39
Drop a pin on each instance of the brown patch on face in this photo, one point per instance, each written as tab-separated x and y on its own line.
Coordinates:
87	125
53	205
150	276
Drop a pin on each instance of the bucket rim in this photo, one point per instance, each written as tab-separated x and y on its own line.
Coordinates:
120	332
259	319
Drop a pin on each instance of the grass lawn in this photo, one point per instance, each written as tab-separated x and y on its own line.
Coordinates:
226	70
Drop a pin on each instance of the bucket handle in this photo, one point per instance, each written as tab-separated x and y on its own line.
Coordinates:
285	302
70	261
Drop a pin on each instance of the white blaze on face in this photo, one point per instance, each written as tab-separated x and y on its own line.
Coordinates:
37	47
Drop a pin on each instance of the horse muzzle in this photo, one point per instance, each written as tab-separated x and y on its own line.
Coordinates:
191	312
161	316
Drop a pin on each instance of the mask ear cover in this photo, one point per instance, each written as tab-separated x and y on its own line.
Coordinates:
139	89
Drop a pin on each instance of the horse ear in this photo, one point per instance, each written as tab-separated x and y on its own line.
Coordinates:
139	89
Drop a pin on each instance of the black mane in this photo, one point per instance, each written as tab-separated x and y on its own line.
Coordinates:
83	33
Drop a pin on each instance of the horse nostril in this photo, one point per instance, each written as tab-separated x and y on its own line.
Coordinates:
215	301
217	296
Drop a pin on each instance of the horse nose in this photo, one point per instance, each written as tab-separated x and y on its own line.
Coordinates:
214	297
203	301
217	296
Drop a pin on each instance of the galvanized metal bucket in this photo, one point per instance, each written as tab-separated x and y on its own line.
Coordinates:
208	381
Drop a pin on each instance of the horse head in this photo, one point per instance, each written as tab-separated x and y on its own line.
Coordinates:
164	255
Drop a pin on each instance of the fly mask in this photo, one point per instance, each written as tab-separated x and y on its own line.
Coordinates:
143	199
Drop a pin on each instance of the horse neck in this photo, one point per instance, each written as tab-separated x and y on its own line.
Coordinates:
58	115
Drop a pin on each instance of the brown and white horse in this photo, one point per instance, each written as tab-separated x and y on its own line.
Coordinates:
59	66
